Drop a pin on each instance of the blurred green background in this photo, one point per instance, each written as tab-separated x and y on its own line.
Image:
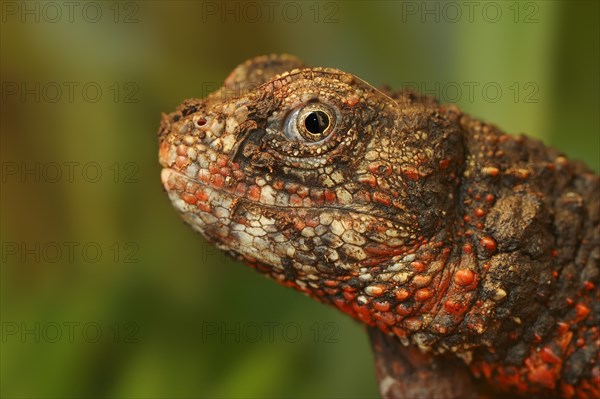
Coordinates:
157	312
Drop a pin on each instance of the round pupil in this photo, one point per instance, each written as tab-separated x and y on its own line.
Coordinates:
316	122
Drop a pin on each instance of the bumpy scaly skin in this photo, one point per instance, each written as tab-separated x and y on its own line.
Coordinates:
410	216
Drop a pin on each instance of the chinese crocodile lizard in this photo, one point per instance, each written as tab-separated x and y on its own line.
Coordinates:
471	255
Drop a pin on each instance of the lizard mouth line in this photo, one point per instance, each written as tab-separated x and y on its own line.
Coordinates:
167	172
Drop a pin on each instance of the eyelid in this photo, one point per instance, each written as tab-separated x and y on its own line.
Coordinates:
290	127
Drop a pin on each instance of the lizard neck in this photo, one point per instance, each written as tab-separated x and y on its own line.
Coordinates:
424	291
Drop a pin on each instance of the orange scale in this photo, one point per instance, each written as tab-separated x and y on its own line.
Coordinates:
182	149
225	171
421	280
204	175
403	309
423	294
489	244
201	195
411	173
254	193
295	200
278	184
181	162
204	207
314	222
213	168
350	296
238	174
382	198
218	181
453	307
402	294
330	196
418	266
339	302
549	356
467	248
382	306
385	317
240	189
222	160
189	198
368	179
581	312
302	191
464	277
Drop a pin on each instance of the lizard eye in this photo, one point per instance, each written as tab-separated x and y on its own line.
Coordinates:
311	123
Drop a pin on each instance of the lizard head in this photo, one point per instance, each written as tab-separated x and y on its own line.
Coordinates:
311	174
